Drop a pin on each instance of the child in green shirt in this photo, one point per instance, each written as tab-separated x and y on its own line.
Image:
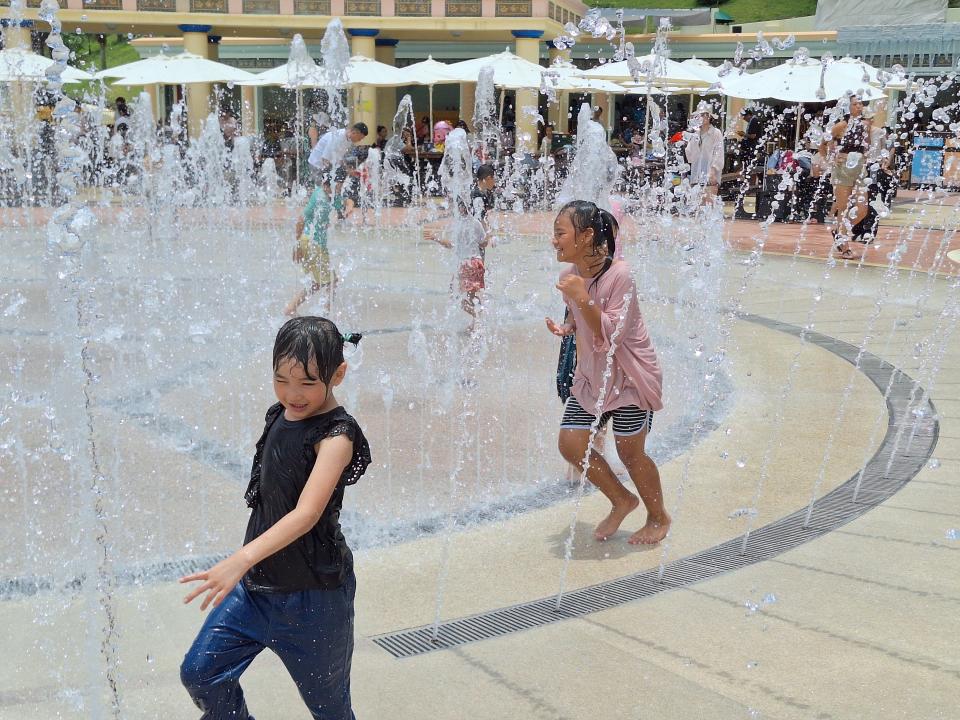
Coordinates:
311	251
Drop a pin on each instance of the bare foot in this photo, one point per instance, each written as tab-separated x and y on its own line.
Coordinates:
651	533
611	523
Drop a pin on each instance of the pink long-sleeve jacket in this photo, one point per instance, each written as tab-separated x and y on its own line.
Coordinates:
635	378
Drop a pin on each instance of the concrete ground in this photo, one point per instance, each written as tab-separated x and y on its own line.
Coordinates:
859	623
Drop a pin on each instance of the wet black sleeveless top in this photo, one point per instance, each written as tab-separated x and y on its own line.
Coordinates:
854	138
285	456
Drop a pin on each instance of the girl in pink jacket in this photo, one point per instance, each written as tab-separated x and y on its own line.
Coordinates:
602	298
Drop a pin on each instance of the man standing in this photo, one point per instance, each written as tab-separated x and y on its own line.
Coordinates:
332	147
705	152
751	136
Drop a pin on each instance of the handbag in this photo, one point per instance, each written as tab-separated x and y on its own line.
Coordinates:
567	362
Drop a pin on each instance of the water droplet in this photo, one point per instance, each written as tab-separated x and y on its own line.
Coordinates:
769	599
933	463
953	534
741	462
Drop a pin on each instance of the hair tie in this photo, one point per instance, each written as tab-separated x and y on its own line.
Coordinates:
352	338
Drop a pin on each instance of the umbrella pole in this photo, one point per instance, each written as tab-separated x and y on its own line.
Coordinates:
503	101
299	132
430	94
796	134
611	109
646	124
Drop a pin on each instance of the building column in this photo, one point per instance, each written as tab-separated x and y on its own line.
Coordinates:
198	94
363	42
16	34
468	103
602	101
153	92
558	113
734	107
386	52
213	47
248	110
528	47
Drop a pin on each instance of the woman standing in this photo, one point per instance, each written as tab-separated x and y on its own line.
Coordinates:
850	138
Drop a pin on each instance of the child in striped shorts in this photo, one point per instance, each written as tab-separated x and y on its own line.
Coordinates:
617	377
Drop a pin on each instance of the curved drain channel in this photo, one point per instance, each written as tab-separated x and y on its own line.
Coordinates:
831	511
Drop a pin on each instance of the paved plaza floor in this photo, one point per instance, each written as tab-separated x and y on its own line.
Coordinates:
859	621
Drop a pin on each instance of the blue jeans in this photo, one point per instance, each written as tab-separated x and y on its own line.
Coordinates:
311	631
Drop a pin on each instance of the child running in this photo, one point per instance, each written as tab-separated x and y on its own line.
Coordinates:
469	240
311	251
291	586
601	296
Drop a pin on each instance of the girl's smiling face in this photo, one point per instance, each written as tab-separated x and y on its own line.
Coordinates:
303	394
570	248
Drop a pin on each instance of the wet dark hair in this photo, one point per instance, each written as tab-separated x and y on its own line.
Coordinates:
614	228
484	171
312	339
587	216
462	124
361	128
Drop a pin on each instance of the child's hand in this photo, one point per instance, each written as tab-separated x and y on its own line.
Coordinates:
219	580
300	226
559	330
574	287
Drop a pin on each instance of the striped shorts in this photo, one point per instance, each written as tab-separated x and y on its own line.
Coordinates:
628	420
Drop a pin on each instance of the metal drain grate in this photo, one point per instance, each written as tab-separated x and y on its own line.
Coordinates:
831	511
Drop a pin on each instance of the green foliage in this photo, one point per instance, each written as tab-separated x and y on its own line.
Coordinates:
86	51
742	11
86	55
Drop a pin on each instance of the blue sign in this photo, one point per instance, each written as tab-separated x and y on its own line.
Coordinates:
927	165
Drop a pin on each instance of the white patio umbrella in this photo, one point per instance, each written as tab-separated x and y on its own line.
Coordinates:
663	71
702	68
883	79
364	71
802	81
183	69
429	72
22	65
510	72
287	75
359	71
564	75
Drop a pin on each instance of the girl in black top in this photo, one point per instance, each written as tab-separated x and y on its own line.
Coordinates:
291	586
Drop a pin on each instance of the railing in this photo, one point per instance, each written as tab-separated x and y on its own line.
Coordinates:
362	7
311	7
261	7
208	6
147	5
514	8
413	8
464	8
